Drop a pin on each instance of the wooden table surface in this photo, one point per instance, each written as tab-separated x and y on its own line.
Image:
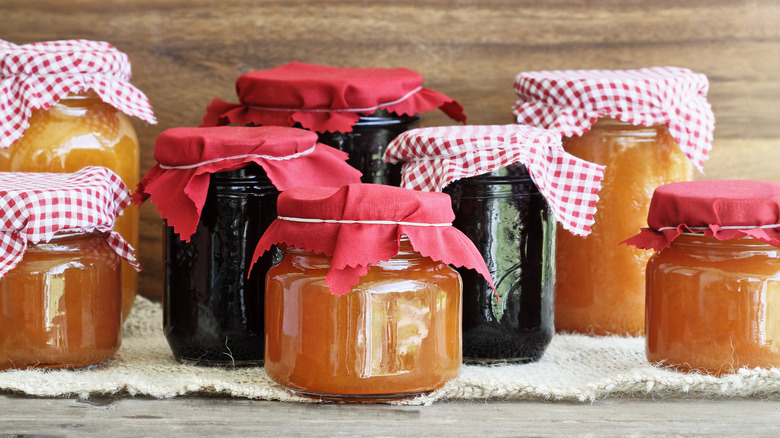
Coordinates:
193	416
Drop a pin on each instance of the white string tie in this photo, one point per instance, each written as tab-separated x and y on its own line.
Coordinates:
724	227
344	110
237	157
367	222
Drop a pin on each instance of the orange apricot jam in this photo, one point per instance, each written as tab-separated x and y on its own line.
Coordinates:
396	334
714	306
60	307
600	285
82	130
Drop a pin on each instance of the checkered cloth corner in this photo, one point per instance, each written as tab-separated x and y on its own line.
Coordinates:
35	206
571	101
38	75
434	157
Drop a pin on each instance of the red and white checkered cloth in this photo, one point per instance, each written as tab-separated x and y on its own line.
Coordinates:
571	101
35	206
434	157
36	76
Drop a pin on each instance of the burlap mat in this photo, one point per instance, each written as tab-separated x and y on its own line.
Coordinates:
574	368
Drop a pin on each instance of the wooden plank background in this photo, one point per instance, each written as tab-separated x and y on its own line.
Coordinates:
186	52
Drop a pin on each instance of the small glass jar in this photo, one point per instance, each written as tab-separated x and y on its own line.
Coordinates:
599	287
714	306
508	220
396	334
367	142
60	307
81	130
212	313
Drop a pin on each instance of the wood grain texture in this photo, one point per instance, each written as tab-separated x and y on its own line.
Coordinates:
185	53
191	416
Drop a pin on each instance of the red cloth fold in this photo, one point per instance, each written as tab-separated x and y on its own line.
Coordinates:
326	99
186	158
724	209
354	246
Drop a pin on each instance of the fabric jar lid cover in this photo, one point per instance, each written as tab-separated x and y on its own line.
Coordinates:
35	206
38	75
361	224
326	99
434	157
571	101
186	158
724	209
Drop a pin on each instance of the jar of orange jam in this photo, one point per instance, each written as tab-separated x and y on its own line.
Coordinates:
75	95
649	127
354	312
713	286
60	276
596	276
61	306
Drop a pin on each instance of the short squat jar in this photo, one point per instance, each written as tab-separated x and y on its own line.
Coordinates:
509	221
396	334
713	284
354	311
61	306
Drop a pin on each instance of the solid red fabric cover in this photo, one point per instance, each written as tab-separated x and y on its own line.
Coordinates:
726	209
186	158
323	98
353	246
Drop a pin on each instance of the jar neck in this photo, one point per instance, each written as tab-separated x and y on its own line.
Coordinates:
406	254
79	101
699	242
613	125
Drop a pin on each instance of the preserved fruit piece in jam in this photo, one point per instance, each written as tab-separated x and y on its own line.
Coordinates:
396	334
60	307
714	306
82	130
600	284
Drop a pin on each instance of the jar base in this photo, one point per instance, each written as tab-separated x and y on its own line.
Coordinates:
359	398
220	363
54	366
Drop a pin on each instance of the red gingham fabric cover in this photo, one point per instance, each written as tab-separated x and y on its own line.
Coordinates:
36	76
354	246
186	158
571	101
722	209
434	157
35	206
323	98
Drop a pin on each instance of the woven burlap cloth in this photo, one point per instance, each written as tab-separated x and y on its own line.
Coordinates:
574	368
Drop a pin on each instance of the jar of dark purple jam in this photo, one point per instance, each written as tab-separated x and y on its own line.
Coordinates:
212	313
366	145
509	221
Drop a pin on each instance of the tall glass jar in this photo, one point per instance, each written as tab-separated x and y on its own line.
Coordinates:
212	313
396	334
714	306
367	142
508	220
82	130
60	307
600	284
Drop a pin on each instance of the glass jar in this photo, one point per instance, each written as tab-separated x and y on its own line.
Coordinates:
82	130
714	306
396	334
367	142
599	287
212	313
60	307
508	220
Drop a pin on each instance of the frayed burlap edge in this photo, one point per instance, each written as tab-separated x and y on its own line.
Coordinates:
574	368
